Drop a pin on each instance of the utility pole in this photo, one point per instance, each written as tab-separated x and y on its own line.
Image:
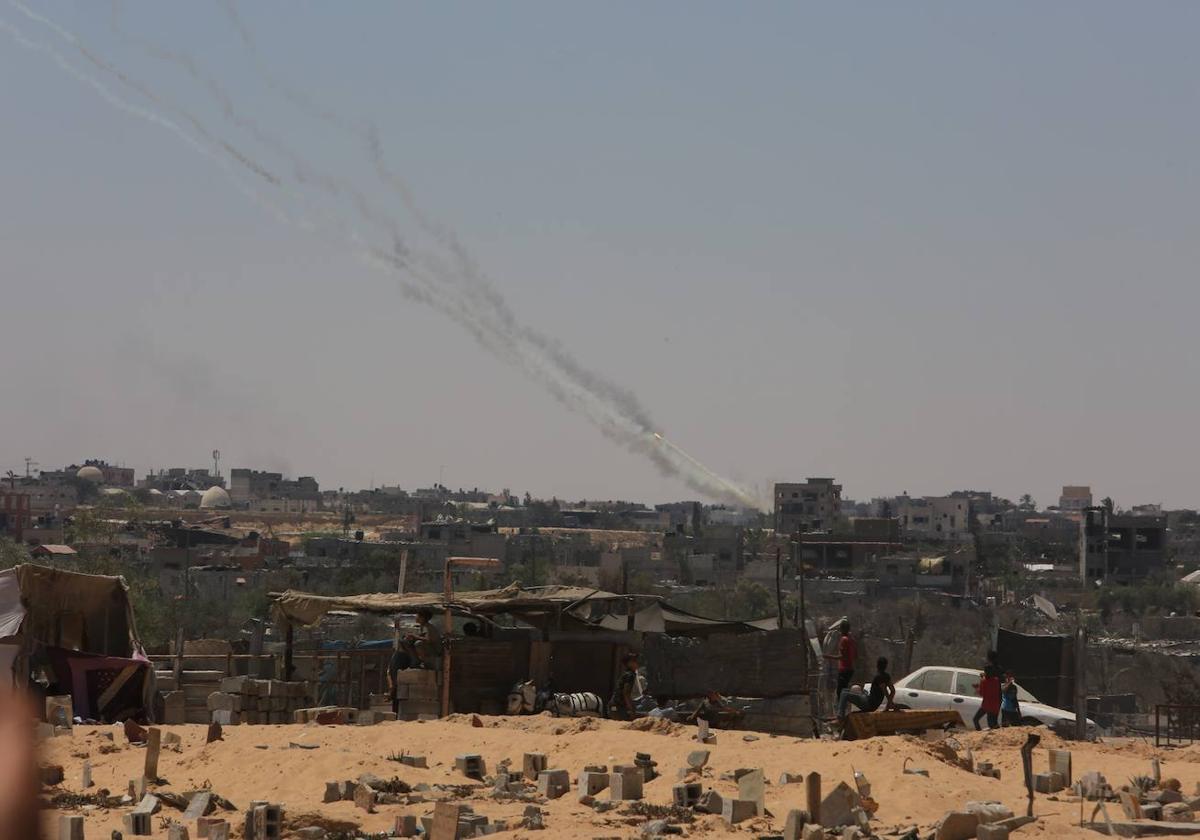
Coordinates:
1080	676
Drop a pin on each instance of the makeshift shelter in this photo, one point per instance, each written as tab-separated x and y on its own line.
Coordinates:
77	630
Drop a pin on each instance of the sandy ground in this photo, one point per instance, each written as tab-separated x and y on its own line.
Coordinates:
256	762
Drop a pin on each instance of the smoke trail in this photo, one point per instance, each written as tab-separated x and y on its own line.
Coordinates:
460	292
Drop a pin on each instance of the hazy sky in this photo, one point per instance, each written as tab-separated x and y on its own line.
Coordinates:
918	246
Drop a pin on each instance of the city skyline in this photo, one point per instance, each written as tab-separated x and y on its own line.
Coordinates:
813	241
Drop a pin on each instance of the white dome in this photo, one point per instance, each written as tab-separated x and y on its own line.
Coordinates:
113	491
90	473
215	497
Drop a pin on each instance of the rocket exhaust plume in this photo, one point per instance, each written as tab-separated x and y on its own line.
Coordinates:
430	263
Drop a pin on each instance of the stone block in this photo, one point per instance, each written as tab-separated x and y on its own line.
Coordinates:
218	830
419	761
710	802
591	783
200	805
471	766
148	805
553	783
60	711
364	799
174	708
204	825
234	685
989	811
686	795
734	811
406	826
1060	763
1178	812
625	785
793	828
532	764
786	778
70	827
957	825
1048	782
697	759
812	831
333	792
220	701
177	831
837	808
752	788
991	831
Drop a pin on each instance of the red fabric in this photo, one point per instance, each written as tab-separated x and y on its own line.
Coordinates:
847	653
989	690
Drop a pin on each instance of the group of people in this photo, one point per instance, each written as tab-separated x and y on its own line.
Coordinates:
997	688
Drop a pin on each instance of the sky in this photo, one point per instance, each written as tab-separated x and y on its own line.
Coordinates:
917	247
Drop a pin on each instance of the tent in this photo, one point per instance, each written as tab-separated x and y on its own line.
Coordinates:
77	630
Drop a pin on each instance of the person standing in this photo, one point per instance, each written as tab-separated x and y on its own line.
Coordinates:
1010	705
989	693
847	653
621	703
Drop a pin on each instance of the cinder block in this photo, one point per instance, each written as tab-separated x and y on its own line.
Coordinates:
70	827
591	783
532	764
734	811
553	783
1048	782
626	784
991	831
686	795
471	766
137	824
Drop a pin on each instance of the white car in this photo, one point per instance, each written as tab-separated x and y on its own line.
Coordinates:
935	688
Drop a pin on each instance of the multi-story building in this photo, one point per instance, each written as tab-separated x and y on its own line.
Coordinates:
112	476
945	518
1122	547
1075	497
247	484
812	506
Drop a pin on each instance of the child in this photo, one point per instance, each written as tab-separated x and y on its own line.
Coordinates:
1010	707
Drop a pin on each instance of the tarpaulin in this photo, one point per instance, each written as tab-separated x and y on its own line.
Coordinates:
12	612
106	688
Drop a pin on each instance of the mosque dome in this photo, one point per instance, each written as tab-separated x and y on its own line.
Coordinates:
90	473
215	497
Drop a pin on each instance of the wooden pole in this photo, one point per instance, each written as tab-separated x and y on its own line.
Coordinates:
812	791
447	628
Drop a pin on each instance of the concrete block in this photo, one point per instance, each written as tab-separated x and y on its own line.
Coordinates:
364	799
812	831
734	811
1048	782
200	806
204	825
420	761
752	788
60	711
837	808
1060	763
553	783
991	831
218	830
625	785
686	795
333	792
148	805
786	778
793	829
957	825
591	783
177	831
220	701
137	824
70	827
234	685
710	802
532	764
471	766
406	826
